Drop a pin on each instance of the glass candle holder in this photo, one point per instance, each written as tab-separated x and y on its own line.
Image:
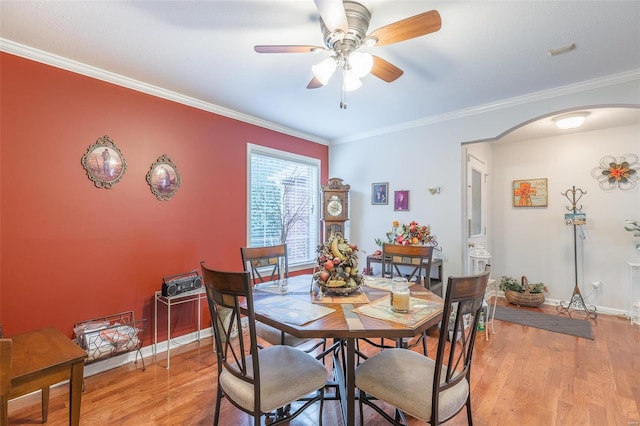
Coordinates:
400	295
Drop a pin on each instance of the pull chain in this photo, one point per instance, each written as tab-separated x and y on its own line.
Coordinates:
343	92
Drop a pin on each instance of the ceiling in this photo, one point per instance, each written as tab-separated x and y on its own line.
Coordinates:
487	52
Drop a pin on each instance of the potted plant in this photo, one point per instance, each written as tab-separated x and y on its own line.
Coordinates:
521	293
633	226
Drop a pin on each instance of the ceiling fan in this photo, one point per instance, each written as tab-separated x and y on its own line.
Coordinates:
344	25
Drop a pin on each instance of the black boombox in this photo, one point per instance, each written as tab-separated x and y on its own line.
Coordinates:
180	283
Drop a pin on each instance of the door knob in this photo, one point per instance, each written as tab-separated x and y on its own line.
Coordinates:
471	245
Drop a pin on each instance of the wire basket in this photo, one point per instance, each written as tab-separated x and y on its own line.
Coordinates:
526	299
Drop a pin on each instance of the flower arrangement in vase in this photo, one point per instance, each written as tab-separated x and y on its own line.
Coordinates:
337	270
409	234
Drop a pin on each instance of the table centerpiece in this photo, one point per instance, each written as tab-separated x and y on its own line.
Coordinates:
337	271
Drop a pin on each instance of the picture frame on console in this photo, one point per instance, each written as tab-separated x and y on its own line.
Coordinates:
380	193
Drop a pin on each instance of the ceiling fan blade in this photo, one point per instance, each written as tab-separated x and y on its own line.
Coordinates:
385	70
314	84
406	29
333	14
287	48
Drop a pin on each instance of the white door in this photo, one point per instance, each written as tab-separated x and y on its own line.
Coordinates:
476	207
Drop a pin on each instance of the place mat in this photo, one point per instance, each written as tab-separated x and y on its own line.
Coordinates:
379	283
289	310
353	322
421	310
274	286
356	297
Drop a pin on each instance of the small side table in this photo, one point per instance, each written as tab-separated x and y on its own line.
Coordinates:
187	297
634	292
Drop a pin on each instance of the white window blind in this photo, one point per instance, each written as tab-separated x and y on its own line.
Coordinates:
283	197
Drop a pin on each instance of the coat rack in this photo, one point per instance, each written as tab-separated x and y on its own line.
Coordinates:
576	302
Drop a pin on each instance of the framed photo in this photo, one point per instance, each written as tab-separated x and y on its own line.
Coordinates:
104	163
380	193
401	200
530	193
163	178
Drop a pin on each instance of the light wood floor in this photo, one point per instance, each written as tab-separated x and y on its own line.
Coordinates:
521	376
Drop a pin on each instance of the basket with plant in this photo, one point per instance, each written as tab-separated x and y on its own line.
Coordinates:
521	293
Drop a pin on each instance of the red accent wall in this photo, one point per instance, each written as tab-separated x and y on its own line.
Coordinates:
71	251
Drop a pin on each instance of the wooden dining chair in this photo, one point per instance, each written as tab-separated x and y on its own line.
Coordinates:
430	390
5	379
417	260
270	264
257	381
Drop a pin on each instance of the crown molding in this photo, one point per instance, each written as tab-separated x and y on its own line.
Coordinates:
37	55
633	75
87	70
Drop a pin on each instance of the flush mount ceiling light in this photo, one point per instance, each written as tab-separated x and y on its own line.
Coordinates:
570	121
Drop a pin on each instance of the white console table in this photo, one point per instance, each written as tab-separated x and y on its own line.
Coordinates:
193	296
634	292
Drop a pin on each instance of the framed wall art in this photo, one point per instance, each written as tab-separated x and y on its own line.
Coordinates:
401	200
380	193
163	178
530	193
104	163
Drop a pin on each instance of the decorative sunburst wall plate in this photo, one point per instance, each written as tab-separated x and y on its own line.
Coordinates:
621	172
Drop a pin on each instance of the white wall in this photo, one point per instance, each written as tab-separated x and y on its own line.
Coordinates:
535	241
429	155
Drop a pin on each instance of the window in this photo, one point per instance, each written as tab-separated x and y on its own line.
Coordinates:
283	197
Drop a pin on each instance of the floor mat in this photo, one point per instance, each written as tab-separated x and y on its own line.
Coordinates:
555	323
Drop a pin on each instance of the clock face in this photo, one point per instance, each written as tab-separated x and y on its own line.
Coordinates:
334	206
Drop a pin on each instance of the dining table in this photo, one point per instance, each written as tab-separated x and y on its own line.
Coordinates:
300	308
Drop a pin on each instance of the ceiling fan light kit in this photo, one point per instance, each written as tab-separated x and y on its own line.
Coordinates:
361	63
570	121
325	69
344	26
350	81
356	66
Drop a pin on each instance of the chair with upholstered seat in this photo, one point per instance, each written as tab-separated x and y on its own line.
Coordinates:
430	390
257	381
418	261
270	264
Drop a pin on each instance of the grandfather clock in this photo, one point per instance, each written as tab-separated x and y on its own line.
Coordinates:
335	207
